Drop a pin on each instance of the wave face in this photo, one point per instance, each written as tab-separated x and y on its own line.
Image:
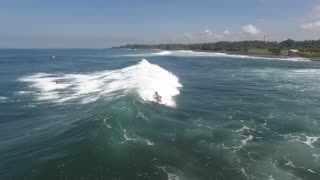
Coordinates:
143	78
189	53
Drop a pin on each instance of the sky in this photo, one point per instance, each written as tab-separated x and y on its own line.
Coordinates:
106	23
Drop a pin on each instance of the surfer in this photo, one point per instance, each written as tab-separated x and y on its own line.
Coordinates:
157	97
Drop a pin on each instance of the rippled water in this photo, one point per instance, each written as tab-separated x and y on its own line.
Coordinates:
90	114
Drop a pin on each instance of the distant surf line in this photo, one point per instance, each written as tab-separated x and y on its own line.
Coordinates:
190	53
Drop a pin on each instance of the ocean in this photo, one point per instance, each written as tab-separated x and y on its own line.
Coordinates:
90	114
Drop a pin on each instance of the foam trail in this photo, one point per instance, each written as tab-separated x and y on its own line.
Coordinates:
143	78
189	53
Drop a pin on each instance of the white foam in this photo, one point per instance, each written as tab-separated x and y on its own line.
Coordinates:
108	125
289	163
171	176
24	92
143	78
307	71
244	172
134	138
163	53
292	138
149	143
245	141
311	140
270	177
3	99
160	53
244	129
310	170
127	138
215	54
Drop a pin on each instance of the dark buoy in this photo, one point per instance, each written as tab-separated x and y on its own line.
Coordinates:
52	57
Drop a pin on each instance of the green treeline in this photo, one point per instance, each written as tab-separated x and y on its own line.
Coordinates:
309	48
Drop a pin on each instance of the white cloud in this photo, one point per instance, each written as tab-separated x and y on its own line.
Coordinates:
226	32
208	35
188	35
251	30
200	37
208	32
311	26
315	12
313	20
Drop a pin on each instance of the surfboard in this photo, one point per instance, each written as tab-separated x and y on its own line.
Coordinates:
162	102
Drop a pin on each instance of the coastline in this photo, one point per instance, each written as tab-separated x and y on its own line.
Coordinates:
288	48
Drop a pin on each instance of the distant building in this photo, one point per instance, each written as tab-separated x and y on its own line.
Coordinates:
293	52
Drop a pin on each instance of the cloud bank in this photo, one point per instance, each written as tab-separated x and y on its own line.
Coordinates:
251	30
313	20
245	32
311	26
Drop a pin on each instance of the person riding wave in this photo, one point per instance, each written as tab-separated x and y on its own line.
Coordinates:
157	97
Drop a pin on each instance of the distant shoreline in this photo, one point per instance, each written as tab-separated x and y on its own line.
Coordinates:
288	48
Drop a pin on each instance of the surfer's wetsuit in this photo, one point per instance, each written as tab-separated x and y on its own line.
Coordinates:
157	97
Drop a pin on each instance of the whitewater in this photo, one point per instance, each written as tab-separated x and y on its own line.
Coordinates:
143	78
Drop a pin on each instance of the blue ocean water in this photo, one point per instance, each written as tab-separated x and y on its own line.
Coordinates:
90	114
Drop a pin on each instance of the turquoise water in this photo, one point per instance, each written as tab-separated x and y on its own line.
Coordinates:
89	114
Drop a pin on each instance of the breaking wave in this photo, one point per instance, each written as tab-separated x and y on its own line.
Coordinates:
189	53
143	78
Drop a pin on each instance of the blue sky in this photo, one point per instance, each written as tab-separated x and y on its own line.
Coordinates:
102	23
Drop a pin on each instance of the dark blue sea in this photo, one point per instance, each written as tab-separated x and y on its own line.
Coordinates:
90	114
